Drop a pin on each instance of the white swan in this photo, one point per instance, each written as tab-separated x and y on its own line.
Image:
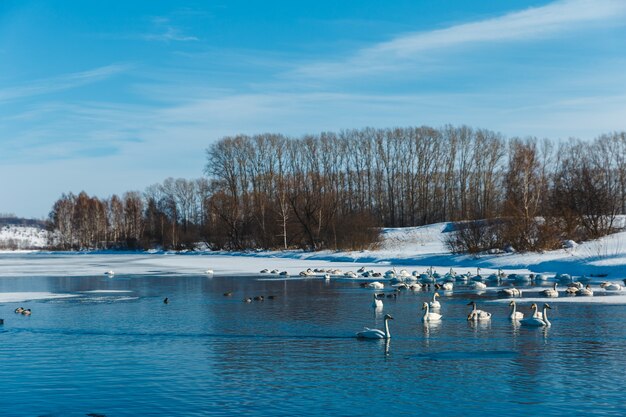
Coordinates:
538	319
109	273
376	285
209	272
377	302
610	286
477	314
511	292
587	291
368	333
428	316
327	277
478	285
434	303
515	315
551	292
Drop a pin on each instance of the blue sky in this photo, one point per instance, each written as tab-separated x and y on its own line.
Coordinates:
114	96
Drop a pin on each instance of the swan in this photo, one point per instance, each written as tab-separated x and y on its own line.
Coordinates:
209	272
447	286
351	274
247	300
377	302
610	286
478	285
515	315
551	292
428	316
434	303
538	319
587	291
477	314
511	292
376	285
361	270
368	333
110	273
327	277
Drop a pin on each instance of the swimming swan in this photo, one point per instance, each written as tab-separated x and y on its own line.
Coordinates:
428	316
537	320
551	292
377	303
375	333
435	304
477	314
515	315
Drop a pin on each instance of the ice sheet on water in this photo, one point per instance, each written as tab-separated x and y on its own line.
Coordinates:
15	297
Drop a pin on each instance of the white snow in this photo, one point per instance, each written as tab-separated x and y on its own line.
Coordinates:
22	237
413	249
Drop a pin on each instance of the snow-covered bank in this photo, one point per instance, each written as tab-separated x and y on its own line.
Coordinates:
14	237
415	248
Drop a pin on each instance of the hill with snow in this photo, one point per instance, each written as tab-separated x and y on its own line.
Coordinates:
18	237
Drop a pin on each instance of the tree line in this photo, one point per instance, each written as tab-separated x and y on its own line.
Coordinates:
336	190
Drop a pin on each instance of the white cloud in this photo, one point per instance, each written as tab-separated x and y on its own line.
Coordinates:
539	22
60	83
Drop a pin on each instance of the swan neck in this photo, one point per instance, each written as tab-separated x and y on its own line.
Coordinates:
387	334
545	316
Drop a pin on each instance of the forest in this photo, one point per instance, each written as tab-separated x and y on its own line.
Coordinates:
337	190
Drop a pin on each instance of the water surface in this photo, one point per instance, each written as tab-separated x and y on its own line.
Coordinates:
115	348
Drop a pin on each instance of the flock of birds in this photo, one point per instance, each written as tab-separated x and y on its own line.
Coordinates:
415	281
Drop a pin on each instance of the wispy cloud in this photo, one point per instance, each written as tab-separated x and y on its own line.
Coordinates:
60	83
164	31
539	22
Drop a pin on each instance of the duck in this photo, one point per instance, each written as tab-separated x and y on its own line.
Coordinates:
368	333
515	315
611	286
377	303
264	271
259	298
247	300
228	294
26	312
477	314
274	271
166	300
537	319
109	273
284	273
209	272
428	316
586	292
434	303
19	310
551	292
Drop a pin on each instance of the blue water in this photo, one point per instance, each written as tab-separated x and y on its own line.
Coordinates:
118	354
